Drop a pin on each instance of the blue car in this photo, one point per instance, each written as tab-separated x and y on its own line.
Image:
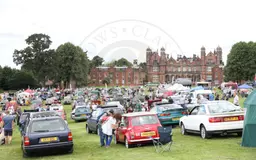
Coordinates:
92	124
46	132
168	113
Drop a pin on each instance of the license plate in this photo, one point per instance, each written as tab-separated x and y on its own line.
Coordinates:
231	119
175	119
147	134
83	115
50	139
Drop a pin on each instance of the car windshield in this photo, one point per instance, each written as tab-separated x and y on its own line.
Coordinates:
223	107
49	125
82	110
144	120
116	110
166	107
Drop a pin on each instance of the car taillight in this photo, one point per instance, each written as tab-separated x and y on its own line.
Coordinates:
184	113
26	141
70	137
215	119
241	118
165	114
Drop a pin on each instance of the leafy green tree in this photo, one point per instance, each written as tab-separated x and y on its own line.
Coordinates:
22	79
106	80
72	64
143	65
123	62
37	57
241	62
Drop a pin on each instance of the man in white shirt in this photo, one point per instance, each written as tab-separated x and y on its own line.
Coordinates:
236	99
107	128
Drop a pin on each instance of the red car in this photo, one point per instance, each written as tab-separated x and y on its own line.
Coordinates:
137	128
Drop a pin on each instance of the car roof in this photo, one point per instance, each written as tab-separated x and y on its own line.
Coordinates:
46	114
135	114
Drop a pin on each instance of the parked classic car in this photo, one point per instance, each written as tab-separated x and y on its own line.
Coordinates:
214	117
80	113
137	128
46	131
92	124
168	113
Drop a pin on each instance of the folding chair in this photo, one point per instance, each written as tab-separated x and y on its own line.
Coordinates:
165	141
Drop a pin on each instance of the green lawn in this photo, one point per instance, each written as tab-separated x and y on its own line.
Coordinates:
185	147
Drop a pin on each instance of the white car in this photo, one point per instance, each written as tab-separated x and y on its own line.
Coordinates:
115	103
214	117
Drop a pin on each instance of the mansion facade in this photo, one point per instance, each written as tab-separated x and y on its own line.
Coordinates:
164	68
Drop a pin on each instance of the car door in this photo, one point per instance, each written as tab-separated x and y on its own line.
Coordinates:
122	129
199	117
90	120
190	120
94	121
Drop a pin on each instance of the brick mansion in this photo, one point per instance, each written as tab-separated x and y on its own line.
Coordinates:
163	68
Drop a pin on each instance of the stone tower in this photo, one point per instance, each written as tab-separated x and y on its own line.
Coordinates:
219	55
148	54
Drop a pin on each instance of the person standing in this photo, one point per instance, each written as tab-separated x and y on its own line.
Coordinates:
107	128
8	125
236	99
100	120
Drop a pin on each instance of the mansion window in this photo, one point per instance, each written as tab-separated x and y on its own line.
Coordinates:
194	69
155	66
189	69
178	69
209	69
184	69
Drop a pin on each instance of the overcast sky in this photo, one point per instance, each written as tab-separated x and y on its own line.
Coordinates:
190	24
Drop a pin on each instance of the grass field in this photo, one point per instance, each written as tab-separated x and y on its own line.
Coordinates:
184	147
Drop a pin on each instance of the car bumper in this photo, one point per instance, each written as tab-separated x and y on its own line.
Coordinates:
50	147
169	120
226	131
225	126
79	118
142	140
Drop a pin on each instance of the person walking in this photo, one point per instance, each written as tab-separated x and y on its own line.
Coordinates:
8	125
107	128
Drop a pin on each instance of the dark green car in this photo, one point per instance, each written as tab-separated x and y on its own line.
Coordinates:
81	113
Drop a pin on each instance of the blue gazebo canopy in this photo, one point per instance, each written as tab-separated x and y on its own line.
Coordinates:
244	86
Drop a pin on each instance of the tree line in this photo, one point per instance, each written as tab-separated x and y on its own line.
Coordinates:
241	62
39	63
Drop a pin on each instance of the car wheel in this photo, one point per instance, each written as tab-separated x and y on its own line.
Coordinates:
24	154
88	131
203	132
183	129
71	150
127	145
240	134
